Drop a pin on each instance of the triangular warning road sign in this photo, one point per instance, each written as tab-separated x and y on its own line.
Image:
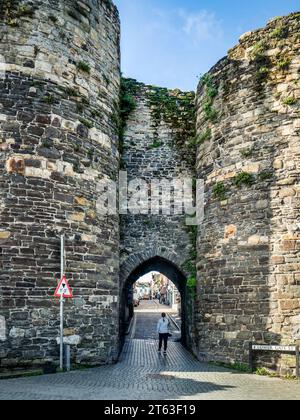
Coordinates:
63	289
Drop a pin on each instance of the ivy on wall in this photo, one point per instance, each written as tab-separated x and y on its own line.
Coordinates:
264	65
129	90
175	108
12	11
211	91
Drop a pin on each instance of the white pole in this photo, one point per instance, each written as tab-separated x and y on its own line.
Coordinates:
62	272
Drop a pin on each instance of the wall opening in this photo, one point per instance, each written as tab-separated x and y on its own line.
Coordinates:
165	272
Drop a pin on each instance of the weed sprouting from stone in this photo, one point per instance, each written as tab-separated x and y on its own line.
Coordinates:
86	123
246	153
49	99
156	144
25	11
219	191
258	50
84	67
244	178
284	63
289	101
211	92
281	32
266	175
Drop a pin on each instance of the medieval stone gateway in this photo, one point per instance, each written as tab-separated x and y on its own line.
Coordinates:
63	129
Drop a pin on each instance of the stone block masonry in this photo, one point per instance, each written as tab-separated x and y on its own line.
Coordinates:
62	129
57	140
249	155
154	149
157	145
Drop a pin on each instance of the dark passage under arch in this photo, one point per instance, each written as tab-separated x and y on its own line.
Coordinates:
168	269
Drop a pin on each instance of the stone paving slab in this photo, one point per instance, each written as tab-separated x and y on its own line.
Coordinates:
142	374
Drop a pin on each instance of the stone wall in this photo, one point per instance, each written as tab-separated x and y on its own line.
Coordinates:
57	98
59	135
249	155
156	145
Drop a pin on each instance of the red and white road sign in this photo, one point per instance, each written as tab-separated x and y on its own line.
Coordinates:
63	289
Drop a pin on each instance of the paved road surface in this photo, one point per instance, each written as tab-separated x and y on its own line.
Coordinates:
147	316
142	374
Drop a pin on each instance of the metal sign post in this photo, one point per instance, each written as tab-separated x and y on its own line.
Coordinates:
62	272
297	363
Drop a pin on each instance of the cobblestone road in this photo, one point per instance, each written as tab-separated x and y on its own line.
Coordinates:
142	374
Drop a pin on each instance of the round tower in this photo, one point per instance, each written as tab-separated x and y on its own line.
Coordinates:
248	134
59	93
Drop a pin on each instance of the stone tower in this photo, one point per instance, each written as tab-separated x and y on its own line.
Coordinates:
249	156
58	96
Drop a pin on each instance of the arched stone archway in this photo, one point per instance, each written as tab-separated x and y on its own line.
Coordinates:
138	259
140	264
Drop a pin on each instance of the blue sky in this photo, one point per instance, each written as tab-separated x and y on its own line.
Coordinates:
171	42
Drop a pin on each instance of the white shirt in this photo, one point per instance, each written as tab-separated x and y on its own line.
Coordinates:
163	326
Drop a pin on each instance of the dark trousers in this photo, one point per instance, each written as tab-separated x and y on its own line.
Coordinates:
163	338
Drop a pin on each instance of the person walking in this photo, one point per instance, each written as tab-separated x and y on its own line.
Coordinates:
163	329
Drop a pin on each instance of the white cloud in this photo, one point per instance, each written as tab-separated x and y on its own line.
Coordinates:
201	26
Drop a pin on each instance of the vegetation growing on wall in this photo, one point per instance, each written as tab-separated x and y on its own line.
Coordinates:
49	99
190	265
155	145
175	108
12	11
201	138
261	63
25	10
266	175
244	178
211	91
86	123
258	51
289	101
283	62
205	136
192	291
264	63
84	67
130	88
219	191
281	32
246	153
